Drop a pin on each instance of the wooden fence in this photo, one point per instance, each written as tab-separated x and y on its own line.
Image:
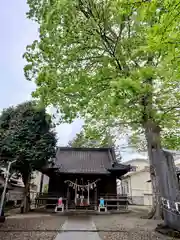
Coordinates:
112	202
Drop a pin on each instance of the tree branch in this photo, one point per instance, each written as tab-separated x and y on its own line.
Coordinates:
101	32
177	108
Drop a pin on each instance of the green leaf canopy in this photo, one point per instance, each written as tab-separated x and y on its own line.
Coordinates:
26	135
114	58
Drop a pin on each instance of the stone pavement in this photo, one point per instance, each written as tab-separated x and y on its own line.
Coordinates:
78	227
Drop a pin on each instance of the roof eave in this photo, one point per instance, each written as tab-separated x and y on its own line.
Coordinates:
83	173
85	148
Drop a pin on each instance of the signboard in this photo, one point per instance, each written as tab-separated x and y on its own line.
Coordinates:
14	196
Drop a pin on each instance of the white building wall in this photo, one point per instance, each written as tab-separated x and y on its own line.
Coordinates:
139	189
177	162
37	180
148	199
136	187
138	163
45	181
135	183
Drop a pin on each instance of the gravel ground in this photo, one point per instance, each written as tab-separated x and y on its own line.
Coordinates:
31	227
130	227
45	227
28	236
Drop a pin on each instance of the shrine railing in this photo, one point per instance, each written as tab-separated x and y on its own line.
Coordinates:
115	201
109	196
111	201
48	199
49	195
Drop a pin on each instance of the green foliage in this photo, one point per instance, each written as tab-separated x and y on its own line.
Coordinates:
114	58
97	134
92	137
170	140
26	135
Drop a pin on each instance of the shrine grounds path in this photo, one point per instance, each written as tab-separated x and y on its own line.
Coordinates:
41	226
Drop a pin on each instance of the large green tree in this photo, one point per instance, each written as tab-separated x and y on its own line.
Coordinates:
83	140
96	136
114	58
27	136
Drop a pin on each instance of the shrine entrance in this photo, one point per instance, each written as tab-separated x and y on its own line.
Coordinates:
82	193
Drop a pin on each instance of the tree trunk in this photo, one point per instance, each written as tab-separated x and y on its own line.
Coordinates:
153	144
163	176
25	204
152	133
156	210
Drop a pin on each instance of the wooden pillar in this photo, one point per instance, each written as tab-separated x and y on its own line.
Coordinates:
88	193
41	183
95	199
122	192
67	200
75	200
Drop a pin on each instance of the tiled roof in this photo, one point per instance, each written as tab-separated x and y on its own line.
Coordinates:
119	166
84	160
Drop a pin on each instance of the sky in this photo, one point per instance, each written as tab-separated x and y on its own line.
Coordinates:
16	33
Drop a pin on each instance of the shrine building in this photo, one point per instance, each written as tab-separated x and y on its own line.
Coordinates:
82	176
